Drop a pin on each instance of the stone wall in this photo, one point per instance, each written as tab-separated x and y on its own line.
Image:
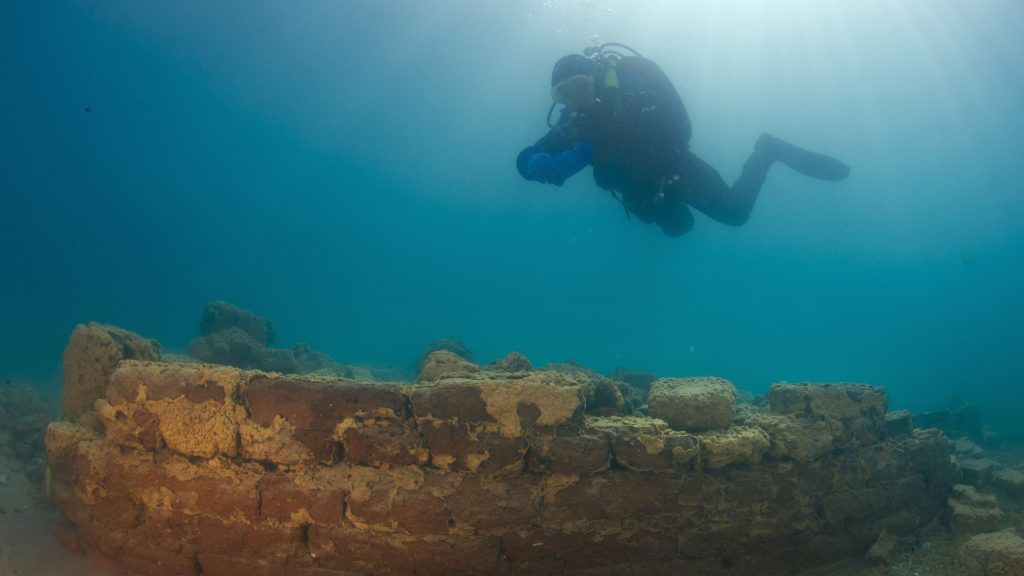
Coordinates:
211	470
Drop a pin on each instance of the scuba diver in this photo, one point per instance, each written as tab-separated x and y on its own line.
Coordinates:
623	116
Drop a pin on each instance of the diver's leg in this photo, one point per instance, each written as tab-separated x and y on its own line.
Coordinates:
702	187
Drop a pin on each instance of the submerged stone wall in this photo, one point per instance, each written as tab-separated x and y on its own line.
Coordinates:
198	469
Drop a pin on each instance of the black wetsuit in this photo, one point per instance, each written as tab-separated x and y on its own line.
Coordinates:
640	134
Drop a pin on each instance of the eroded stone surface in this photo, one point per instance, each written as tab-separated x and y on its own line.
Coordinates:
998	553
693	403
207	469
91	356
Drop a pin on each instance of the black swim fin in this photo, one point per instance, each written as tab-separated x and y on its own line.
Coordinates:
803	161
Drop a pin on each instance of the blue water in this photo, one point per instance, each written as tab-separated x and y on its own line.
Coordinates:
347	170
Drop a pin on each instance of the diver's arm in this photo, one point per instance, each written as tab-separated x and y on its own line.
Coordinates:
534	163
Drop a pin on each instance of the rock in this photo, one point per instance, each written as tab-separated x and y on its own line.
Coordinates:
309	361
448	344
441	363
1010	482
997	554
853	413
970	496
898	424
236	347
976	471
91	356
220	316
642	381
959	419
693	403
971	512
966	448
513	362
881	552
646	444
737	445
972	520
602	396
794	438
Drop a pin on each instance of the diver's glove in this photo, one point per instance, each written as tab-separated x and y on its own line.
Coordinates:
540	166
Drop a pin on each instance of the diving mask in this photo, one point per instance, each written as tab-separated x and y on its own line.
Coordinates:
575	91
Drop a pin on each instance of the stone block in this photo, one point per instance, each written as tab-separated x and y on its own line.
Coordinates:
1010	482
513	362
299	499
219	316
516	405
976	471
794	438
370	554
441	363
965	448
854	413
898	424
492	505
839	401
142	560
693	403
737	445
91	356
378	442
646	444
967	519
585	454
457	401
310	410
998	553
473	448
203	488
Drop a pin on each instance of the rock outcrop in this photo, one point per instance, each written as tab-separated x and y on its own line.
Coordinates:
205	469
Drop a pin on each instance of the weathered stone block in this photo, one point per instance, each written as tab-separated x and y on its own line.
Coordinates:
854	413
1009	481
441	363
369	554
92	354
490	505
794	438
997	554
219	316
536	400
142	560
976	471
967	519
646	444
200	489
310	409
693	403
383	442
898	424
459	401
247	539
584	454
455	446
737	445
297	499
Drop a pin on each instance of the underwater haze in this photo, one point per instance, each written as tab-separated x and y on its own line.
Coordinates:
347	169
